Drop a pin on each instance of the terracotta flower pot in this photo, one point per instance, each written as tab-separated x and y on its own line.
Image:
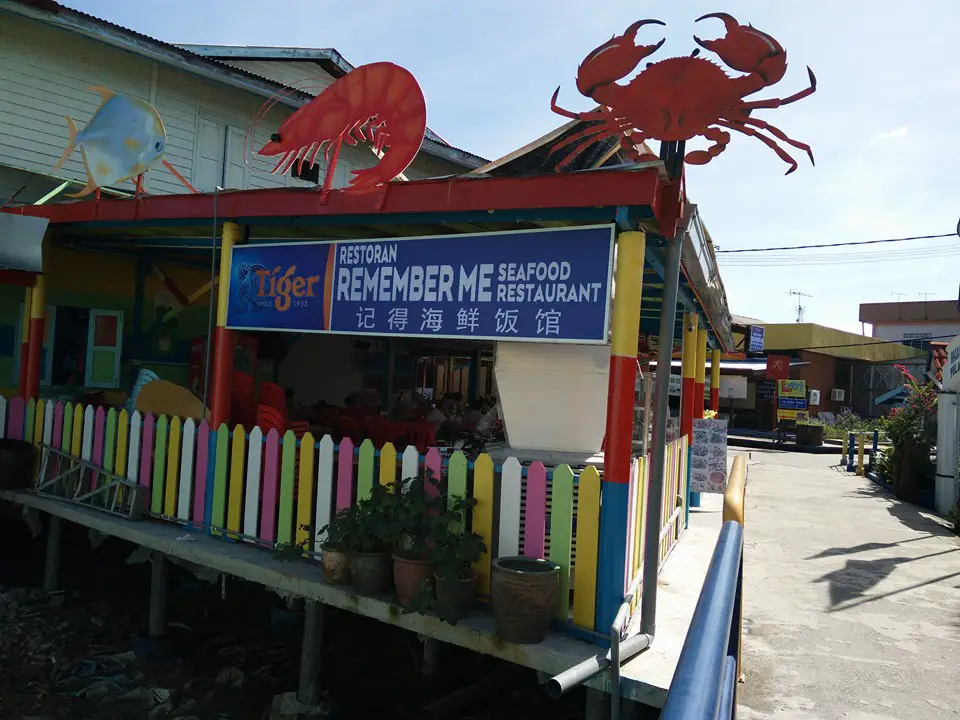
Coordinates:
407	576
336	566
455	596
523	593
370	572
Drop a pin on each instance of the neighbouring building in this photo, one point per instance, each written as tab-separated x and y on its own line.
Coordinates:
841	370
913	323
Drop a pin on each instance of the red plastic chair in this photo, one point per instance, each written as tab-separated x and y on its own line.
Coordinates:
349	427
423	435
273	395
243	405
269	418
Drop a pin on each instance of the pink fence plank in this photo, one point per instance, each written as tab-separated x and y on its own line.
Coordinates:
16	409
58	425
345	474
535	511
271	480
146	451
200	476
99	432
434	462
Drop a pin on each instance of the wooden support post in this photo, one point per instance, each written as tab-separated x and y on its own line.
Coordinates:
51	568
310	689
158	597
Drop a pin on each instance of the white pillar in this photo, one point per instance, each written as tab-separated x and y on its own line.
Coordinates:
947	483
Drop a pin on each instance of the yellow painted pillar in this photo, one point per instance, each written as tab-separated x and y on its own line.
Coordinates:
700	379
715	380
224	345
618	441
689	372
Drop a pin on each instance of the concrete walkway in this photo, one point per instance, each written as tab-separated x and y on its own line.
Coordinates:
852	599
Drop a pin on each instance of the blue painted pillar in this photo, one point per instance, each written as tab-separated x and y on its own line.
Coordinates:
614	510
850	447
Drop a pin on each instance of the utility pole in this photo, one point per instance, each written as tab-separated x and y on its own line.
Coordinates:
898	296
800	308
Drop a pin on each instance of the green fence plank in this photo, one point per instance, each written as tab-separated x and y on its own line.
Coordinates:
365	470
221	464
456	478
288	468
561	534
159	465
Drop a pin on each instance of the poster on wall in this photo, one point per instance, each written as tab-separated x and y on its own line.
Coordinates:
708	456
529	285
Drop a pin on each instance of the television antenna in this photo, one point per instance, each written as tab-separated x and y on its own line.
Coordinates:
800	308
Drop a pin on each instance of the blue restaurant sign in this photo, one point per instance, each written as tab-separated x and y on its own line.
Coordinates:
529	285
756	339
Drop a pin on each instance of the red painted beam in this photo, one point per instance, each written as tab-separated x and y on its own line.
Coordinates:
551	191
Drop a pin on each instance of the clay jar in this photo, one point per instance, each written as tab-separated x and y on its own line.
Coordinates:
523	593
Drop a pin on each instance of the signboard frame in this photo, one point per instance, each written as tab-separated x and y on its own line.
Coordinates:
606	233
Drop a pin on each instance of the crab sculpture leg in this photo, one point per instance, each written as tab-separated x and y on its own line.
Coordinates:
761	56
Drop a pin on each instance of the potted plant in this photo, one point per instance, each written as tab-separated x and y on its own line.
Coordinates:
810	433
340	538
454	552
415	516
370	550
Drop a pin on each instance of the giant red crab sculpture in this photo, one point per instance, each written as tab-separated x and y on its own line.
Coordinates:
680	98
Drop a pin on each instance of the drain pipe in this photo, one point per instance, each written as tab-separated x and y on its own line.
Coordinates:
651	540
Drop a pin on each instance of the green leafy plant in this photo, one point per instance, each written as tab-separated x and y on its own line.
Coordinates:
375	521
288	552
455	550
414	516
343	532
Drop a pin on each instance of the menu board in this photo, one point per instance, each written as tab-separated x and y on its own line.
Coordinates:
708	456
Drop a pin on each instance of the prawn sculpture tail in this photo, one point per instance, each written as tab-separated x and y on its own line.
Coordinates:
381	103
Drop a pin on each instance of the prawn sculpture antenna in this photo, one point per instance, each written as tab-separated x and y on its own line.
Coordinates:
680	98
380	103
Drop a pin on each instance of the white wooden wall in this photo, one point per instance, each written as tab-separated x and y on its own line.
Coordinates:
44	75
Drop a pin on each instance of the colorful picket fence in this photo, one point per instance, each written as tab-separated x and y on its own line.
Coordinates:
278	490
671	511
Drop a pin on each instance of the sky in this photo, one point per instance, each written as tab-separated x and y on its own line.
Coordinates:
883	123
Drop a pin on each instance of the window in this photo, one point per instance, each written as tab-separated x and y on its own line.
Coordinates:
82	347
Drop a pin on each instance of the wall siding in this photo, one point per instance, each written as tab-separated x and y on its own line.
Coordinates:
45	74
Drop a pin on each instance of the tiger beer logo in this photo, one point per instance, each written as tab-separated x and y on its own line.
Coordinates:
285	288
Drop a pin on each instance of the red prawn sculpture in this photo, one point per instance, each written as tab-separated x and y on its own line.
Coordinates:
380	102
682	97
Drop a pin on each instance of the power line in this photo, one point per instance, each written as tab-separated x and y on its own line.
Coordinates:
867	344
843	244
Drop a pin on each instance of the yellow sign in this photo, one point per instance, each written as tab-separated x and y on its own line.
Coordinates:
792	388
791	414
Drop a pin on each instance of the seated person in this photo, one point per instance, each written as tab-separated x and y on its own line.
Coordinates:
473	415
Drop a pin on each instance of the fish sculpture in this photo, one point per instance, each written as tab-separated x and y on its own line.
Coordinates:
123	139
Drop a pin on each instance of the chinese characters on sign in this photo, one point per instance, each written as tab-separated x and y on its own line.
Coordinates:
544	285
951	370
708	456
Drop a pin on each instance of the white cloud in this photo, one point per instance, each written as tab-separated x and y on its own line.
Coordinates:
895	134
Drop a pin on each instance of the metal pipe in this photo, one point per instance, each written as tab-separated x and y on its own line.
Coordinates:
728	692
591	667
698	680
651	545
498	681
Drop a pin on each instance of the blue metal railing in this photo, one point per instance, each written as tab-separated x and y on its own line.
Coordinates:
704	685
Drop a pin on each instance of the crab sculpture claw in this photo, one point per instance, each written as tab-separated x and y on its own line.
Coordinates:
615	59
747	49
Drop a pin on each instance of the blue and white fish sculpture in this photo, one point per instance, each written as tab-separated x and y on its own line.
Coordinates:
124	138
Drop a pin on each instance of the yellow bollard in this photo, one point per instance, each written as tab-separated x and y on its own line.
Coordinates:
860	454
